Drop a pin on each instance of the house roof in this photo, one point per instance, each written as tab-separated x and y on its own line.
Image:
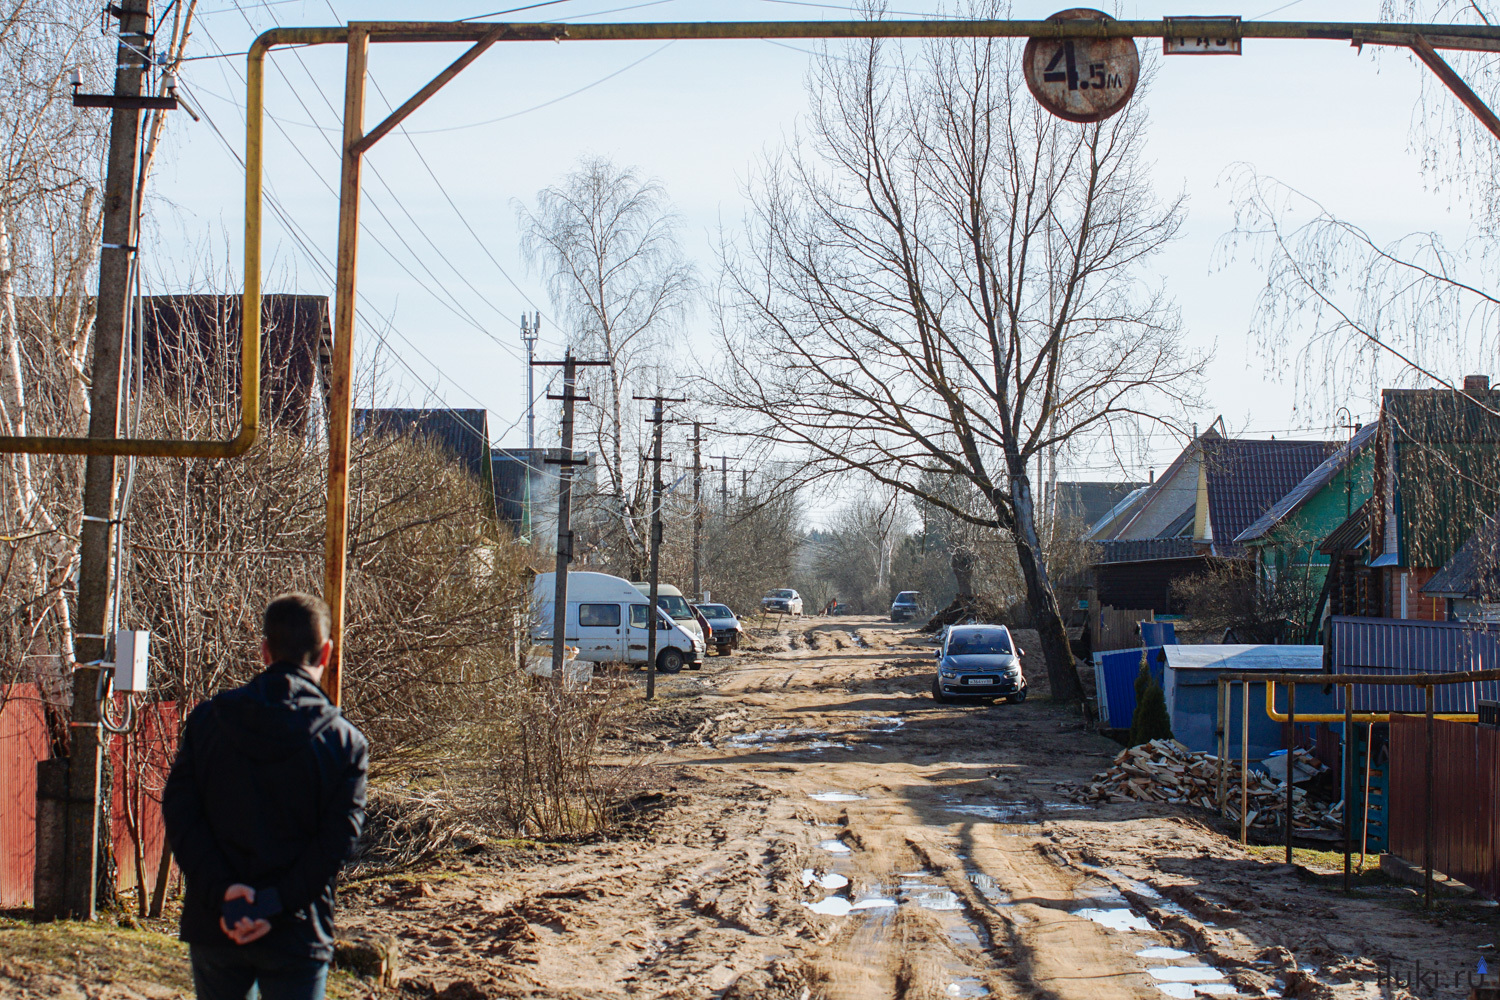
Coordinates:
1310	485
1473	571
1246	477
463	434
1129	550
1442	416
1349	536
191	343
1087	502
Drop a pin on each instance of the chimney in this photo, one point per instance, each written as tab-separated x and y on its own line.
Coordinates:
1476	385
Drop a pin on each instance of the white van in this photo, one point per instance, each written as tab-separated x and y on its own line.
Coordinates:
670	600
607	620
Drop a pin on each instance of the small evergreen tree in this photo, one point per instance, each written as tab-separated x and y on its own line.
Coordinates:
1150	721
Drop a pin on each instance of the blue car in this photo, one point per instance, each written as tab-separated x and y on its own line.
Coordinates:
979	661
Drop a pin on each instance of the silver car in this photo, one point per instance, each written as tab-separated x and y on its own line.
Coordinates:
979	661
725	625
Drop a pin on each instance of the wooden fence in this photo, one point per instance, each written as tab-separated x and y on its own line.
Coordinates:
1119	628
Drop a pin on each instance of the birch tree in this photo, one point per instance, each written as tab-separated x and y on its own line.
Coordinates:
939	277
606	238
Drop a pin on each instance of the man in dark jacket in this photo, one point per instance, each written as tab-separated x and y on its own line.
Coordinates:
264	803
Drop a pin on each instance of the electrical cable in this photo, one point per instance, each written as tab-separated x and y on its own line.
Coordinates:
546	104
451	302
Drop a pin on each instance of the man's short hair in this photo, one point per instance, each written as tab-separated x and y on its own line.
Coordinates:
296	626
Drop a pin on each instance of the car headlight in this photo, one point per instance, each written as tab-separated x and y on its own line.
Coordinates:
945	672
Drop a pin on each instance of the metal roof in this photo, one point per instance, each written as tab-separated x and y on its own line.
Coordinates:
1245	478
1089	501
1472	572
1234	657
1395	646
190	344
1121	550
463	434
1310	485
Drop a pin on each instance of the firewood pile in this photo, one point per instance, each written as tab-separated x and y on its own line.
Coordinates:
1167	771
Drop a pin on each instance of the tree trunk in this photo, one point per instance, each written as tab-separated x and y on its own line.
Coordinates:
1061	672
961	561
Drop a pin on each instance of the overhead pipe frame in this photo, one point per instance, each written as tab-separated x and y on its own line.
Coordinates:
358	35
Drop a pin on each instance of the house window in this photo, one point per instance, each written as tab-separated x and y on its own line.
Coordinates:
598	616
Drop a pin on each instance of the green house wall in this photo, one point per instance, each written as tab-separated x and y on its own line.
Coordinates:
1292	545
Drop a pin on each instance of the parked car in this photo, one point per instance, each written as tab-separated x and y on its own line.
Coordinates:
726	626
607	621
670	600
906	605
782	602
978	661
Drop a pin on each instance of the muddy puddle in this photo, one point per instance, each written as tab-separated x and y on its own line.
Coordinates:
1188	977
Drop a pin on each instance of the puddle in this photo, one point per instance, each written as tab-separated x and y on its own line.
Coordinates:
874	903
832	880
937	899
833	906
1188	991
1013	812
1165	954
1185	973
1116	918
967	987
835	846
835	797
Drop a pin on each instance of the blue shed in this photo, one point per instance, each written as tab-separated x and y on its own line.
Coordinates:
1192	690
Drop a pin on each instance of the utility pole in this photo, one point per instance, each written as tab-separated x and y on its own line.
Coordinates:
570	367
698	426
744	487
67	872
724	483
658	404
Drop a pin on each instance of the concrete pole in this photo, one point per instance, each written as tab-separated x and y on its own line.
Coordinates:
117	257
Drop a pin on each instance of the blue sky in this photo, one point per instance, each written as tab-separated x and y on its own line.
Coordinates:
440	272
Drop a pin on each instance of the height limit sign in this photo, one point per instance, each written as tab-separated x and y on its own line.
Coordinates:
1081	79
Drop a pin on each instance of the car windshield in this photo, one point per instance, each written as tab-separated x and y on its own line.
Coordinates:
783	593
675	605
715	611
978	643
908	597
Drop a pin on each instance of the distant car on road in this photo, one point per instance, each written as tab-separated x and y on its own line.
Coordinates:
782	602
726	626
978	661
906	605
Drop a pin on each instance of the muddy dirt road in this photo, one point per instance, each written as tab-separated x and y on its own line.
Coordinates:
815	826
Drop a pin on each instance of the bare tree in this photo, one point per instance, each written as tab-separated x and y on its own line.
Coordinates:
607	240
942	276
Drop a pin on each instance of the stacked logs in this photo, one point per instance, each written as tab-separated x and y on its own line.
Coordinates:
1167	771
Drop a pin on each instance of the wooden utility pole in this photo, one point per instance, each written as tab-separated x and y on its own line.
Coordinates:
657	419
67	872
566	463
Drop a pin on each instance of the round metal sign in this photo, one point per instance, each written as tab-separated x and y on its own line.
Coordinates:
1081	79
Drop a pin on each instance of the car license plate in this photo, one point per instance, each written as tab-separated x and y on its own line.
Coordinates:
978	680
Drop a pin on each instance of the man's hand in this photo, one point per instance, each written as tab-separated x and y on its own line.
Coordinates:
245	929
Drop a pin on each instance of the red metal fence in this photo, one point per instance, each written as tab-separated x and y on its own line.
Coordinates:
1465	798
140	763
23	742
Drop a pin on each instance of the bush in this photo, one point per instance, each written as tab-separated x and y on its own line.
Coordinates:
1151	720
